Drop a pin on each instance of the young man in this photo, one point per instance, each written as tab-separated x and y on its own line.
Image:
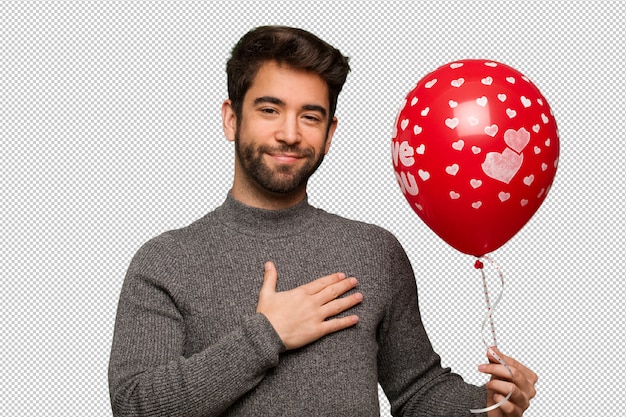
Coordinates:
254	310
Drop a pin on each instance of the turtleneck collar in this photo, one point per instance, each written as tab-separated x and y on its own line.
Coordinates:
262	222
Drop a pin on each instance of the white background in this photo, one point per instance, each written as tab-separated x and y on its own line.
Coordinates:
111	134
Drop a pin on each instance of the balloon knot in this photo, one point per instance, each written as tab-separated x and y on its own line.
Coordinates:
478	264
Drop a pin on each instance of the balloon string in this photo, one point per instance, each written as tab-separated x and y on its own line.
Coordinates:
489	308
489	318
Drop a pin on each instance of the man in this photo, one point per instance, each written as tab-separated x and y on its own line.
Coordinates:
254	310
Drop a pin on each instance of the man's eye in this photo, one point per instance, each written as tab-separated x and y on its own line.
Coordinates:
312	118
268	110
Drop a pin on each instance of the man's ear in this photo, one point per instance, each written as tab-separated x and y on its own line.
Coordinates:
229	120
331	132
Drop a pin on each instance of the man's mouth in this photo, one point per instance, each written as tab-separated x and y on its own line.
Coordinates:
285	158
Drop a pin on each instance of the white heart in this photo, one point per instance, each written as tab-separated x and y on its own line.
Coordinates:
475	183
503	196
419	207
544	166
404	124
491	64
452	123
540	101
454	195
541	192
473	121
452	104
456	65
417	129
536	128
544	118
425	111
413	101
511	80
502	97
420	149
526	102
548	142
424	175
476	150
482	101
529	179
502	166
487	80
491	130
537	150
511	113
525	78
430	83
477	204
457	83
458	145
517	139
452	169
523	202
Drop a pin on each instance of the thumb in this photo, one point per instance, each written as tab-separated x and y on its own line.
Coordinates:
269	278
493	354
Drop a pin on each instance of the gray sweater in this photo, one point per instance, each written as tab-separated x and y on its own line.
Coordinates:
188	341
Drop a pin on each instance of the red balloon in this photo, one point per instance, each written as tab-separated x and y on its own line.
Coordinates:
475	150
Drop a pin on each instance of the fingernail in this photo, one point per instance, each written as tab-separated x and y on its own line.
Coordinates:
268	266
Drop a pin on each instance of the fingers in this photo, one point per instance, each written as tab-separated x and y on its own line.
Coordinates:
306	313
331	287
517	402
493	351
335	290
322	283
339	305
270	278
327	288
514	365
497	371
334	325
514	378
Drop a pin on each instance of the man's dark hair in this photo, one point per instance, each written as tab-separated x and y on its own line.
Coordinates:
293	47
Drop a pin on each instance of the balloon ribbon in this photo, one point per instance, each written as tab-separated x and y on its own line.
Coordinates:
489	318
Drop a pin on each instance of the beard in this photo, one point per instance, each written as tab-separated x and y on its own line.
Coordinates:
283	179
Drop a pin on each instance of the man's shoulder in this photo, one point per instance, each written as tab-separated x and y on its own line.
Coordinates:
347	225
178	238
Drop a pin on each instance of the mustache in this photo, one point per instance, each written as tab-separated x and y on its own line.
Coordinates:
289	149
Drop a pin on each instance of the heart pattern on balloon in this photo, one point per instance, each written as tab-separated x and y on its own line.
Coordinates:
517	139
484	156
502	166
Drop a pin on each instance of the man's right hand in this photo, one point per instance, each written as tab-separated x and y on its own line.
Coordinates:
300	315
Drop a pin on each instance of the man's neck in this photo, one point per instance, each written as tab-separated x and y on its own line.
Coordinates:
255	196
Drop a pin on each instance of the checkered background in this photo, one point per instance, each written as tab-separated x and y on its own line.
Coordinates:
111	135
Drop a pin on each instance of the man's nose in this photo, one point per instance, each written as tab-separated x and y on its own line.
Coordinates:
289	132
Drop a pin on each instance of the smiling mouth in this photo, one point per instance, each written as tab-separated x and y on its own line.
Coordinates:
285	158
287	155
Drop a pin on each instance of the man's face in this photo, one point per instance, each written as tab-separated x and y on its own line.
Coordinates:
283	133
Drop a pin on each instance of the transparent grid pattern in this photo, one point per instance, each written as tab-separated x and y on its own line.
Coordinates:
111	134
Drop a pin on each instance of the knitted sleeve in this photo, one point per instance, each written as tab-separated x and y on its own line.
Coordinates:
148	372
410	371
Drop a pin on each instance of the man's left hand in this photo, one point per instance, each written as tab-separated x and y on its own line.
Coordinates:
522	382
